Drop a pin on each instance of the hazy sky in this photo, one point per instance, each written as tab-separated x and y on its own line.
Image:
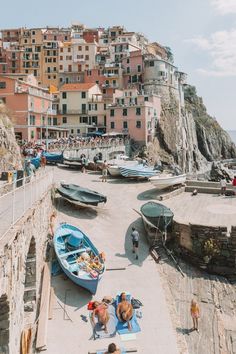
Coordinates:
201	33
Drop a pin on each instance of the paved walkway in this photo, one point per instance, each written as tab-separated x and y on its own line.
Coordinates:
110	230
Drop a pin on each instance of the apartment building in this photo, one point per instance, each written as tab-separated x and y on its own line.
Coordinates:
133	69
134	114
30	107
82	108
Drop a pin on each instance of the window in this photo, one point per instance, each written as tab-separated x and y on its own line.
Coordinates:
105	106
112	125
94	120
54	120
33	33
151	63
64	120
64	108
54	68
112	113
2	99
54	53
33	41
83	107
61	50
86	47
2	85
138	124
35	73
61	67
125	112
78	131
125	125
32	134
64	96
32	120
128	70
139	68
66	38
54	60
25	41
72	131
146	98
138	111
127	61
55	38
79	48
83	94
69	50
83	119
86	57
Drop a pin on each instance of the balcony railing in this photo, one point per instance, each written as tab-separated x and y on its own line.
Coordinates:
73	111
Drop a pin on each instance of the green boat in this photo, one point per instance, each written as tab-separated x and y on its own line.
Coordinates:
157	219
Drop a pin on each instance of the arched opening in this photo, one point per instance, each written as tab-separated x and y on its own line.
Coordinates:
4	324
30	278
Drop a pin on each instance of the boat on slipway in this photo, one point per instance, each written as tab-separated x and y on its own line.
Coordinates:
121	161
157	220
81	196
54	158
137	171
163	181
78	257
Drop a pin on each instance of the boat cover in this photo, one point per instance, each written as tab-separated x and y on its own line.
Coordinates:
76	193
53	157
158	214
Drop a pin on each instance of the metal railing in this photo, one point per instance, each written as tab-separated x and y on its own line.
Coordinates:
16	201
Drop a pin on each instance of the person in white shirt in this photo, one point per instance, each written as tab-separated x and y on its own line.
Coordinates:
223	185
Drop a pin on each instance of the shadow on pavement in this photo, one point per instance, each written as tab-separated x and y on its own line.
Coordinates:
185	331
143	245
69	209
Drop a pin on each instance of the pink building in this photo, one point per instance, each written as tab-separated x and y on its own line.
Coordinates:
133	67
134	114
30	108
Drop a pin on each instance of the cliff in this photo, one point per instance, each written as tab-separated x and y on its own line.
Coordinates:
10	157
186	134
213	142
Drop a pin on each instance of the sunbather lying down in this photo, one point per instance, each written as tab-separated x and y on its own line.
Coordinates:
112	348
124	311
100	311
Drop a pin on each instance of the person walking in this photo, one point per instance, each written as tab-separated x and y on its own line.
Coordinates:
223	185
135	240
195	314
104	171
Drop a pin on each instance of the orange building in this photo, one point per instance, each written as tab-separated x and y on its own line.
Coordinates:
30	108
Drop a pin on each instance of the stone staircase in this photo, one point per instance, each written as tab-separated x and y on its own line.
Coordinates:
205	187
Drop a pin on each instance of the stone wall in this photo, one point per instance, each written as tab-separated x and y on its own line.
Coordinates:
189	242
22	255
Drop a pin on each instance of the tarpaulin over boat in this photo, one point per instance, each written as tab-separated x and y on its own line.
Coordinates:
158	214
76	193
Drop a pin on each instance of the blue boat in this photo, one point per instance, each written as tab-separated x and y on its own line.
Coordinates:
78	257
137	171
54	157
35	161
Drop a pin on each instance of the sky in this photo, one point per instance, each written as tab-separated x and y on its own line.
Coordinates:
201	34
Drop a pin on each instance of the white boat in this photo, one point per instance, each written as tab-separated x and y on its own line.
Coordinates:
115	164
162	182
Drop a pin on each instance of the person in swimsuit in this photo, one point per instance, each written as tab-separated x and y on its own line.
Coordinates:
112	348
100	311
195	314
124	311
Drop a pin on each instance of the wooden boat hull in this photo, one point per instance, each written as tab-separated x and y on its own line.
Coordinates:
168	181
68	259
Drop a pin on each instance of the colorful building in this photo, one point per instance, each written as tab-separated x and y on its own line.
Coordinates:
82	109
134	114
30	108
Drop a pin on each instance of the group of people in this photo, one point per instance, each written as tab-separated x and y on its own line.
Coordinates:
72	143
124	311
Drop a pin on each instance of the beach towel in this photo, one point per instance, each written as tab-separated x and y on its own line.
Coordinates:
122	327
98	331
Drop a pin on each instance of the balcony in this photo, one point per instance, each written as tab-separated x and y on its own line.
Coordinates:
73	112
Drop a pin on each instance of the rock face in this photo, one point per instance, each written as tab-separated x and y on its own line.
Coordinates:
186	134
10	157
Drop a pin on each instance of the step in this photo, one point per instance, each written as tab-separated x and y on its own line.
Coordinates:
207	190
206	184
